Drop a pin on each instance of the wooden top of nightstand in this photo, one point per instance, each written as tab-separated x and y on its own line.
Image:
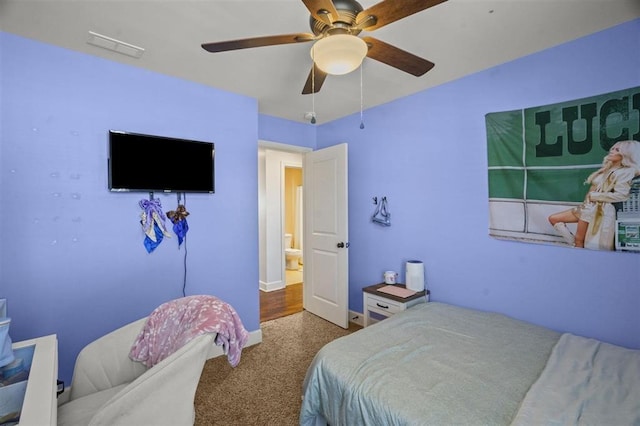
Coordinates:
373	289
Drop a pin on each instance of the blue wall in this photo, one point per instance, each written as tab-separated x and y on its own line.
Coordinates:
427	154
71	254
274	129
72	259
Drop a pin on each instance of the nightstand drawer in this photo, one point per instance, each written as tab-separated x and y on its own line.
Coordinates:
378	303
382	304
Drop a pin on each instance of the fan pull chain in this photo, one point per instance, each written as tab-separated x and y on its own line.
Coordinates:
361	99
313	93
313	87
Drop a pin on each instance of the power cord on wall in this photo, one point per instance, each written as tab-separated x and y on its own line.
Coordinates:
184	280
184	277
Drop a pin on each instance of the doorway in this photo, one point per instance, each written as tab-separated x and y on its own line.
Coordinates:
280	174
280	303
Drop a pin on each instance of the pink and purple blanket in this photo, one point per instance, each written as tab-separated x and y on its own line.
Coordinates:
173	324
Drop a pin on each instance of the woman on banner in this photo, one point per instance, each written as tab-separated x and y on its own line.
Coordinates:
596	216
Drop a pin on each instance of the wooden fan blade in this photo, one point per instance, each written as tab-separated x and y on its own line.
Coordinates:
397	58
314	81
245	43
322	10
389	11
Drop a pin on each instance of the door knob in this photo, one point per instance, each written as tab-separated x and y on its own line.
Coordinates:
343	245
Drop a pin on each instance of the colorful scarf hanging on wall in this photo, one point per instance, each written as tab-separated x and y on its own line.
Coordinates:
179	219
152	220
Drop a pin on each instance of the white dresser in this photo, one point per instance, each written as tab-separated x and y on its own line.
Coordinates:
40	406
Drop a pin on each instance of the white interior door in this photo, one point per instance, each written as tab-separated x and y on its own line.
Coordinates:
326	255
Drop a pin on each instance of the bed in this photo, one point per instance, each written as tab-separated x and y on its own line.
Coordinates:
438	364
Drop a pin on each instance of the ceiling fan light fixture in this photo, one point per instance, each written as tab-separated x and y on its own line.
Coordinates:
339	54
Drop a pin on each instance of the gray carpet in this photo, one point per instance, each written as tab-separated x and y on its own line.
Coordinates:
266	387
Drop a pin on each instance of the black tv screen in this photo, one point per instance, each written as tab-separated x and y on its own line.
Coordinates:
140	162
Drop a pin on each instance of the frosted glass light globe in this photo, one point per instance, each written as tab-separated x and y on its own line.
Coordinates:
339	54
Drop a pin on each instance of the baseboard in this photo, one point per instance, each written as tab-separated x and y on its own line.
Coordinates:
272	286
255	337
356	318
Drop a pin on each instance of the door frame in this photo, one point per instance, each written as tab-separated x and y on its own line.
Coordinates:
271	241
276	236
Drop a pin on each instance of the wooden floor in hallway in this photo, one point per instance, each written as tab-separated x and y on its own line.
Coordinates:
280	303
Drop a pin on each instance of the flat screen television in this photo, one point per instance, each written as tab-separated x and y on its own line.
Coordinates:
139	162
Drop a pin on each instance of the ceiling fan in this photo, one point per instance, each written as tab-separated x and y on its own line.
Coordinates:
338	49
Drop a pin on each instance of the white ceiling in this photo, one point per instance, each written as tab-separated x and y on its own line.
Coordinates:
460	36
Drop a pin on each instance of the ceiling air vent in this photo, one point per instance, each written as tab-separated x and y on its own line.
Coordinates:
114	45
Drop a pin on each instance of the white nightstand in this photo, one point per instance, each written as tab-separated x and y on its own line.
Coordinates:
385	304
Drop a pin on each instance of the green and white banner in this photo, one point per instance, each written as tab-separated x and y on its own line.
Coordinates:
539	159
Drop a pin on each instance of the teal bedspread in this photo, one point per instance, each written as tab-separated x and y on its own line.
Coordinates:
434	364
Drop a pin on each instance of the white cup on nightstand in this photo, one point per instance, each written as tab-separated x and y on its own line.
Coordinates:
390	277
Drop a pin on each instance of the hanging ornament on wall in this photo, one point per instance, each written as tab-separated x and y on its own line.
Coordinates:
152	221
179	219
